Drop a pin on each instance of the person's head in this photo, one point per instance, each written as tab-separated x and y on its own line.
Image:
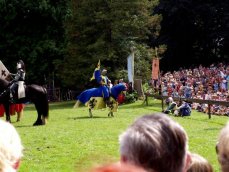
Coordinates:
222	148
10	147
120	80
170	100
155	142
20	65
199	164
117	167
104	72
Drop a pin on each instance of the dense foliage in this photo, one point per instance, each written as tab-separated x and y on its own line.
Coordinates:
32	31
106	30
62	41
194	31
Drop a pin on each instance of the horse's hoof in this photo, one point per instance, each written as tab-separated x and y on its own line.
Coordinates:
38	123
44	121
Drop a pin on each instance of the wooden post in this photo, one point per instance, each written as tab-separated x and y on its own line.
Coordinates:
146	99
162	104
138	87
209	111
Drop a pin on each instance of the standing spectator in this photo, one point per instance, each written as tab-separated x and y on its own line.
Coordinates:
10	148
156	143
188	91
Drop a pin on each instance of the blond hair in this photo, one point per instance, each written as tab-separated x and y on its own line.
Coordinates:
10	147
222	148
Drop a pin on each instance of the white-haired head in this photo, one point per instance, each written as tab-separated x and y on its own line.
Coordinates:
10	147
153	140
170	99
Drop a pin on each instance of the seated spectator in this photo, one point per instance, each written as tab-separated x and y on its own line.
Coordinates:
183	110
222	148
207	83
10	148
156	143
172	105
199	164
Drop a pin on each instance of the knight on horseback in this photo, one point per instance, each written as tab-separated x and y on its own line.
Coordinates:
18	81
104	85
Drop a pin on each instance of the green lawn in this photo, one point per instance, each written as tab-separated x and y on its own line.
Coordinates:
73	142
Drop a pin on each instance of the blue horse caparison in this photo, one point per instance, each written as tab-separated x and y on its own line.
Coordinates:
88	97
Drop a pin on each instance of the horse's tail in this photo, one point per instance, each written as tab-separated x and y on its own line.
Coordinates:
45	104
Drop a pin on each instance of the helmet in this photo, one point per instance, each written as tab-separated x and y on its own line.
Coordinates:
20	65
104	72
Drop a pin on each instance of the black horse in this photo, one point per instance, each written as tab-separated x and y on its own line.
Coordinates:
34	93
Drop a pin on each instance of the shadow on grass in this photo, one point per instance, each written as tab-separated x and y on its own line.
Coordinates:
211	129
53	105
87	117
205	120
137	106
24	126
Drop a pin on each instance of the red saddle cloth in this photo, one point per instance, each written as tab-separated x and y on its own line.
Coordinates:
13	109
121	98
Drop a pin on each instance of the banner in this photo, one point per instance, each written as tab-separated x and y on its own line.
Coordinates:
130	67
155	68
3	71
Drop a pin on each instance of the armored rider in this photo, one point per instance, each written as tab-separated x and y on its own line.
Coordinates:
18	81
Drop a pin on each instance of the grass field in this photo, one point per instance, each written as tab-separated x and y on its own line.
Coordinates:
73	142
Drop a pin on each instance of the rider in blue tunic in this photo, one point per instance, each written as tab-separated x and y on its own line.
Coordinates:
102	79
101	91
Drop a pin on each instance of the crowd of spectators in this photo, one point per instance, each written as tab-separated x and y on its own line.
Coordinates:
207	83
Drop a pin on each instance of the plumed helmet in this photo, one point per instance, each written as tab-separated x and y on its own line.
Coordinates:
20	65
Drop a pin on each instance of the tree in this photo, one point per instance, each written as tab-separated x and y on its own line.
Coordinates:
33	31
193	30
105	30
